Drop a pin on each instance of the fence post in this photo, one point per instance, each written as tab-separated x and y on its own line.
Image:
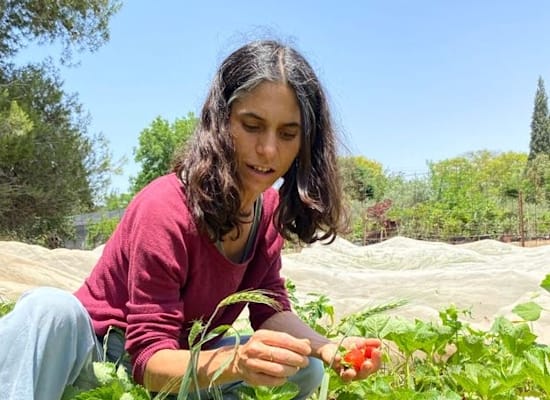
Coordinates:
521	221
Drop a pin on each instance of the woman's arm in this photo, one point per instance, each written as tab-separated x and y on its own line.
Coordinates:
166	368
268	358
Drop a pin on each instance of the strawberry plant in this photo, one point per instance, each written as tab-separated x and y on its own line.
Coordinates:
5	306
424	360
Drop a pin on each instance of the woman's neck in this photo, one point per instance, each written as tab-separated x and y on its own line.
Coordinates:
247	204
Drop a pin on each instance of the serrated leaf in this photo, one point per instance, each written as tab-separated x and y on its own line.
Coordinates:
104	372
70	392
287	391
122	374
110	391
377	326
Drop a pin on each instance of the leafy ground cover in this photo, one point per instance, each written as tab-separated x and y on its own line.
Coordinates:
444	359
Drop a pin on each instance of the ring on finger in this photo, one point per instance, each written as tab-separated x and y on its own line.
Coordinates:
271	355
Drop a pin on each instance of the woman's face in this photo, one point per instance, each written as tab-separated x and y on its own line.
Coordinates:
267	129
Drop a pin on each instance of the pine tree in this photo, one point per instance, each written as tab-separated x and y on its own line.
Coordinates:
540	124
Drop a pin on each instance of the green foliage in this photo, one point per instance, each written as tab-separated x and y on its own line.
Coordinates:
540	124
362	178
115	201
364	184
445	359
15	122
157	146
464	197
537	174
5	306
49	167
98	232
81	24
469	197
114	383
284	392
200	335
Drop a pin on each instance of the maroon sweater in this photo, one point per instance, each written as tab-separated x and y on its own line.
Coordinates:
158	274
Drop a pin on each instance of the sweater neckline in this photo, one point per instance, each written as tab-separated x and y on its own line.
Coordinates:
257	210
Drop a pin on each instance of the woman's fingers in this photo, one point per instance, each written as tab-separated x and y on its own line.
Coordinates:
283	340
284	356
269	357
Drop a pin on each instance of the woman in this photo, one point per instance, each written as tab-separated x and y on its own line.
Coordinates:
211	228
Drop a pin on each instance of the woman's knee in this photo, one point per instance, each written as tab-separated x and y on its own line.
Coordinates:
309	378
52	307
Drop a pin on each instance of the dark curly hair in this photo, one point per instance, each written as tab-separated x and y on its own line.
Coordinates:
310	206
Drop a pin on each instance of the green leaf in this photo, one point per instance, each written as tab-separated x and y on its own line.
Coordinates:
104	372
546	283
528	311
323	394
112	391
538	366
196	329
217	331
287	391
70	392
377	326
5	307
516	338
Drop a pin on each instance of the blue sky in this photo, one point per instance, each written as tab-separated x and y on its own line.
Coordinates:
409	81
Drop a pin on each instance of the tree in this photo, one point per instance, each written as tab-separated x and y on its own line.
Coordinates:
363	179
469	192
80	24
537	175
157	146
540	124
49	167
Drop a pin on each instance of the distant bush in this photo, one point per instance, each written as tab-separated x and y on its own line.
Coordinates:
98	232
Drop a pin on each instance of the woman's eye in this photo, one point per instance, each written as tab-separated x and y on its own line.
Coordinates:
251	128
288	135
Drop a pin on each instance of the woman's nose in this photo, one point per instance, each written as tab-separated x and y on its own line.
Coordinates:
267	145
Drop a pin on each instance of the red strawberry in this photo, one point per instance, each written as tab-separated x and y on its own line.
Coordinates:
368	351
354	358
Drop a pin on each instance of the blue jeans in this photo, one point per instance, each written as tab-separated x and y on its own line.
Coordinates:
47	342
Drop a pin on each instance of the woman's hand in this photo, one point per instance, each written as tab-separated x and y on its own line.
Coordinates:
347	372
269	357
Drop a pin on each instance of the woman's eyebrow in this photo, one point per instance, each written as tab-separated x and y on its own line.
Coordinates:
252	114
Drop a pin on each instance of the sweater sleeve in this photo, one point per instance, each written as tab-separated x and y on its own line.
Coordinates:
157	271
